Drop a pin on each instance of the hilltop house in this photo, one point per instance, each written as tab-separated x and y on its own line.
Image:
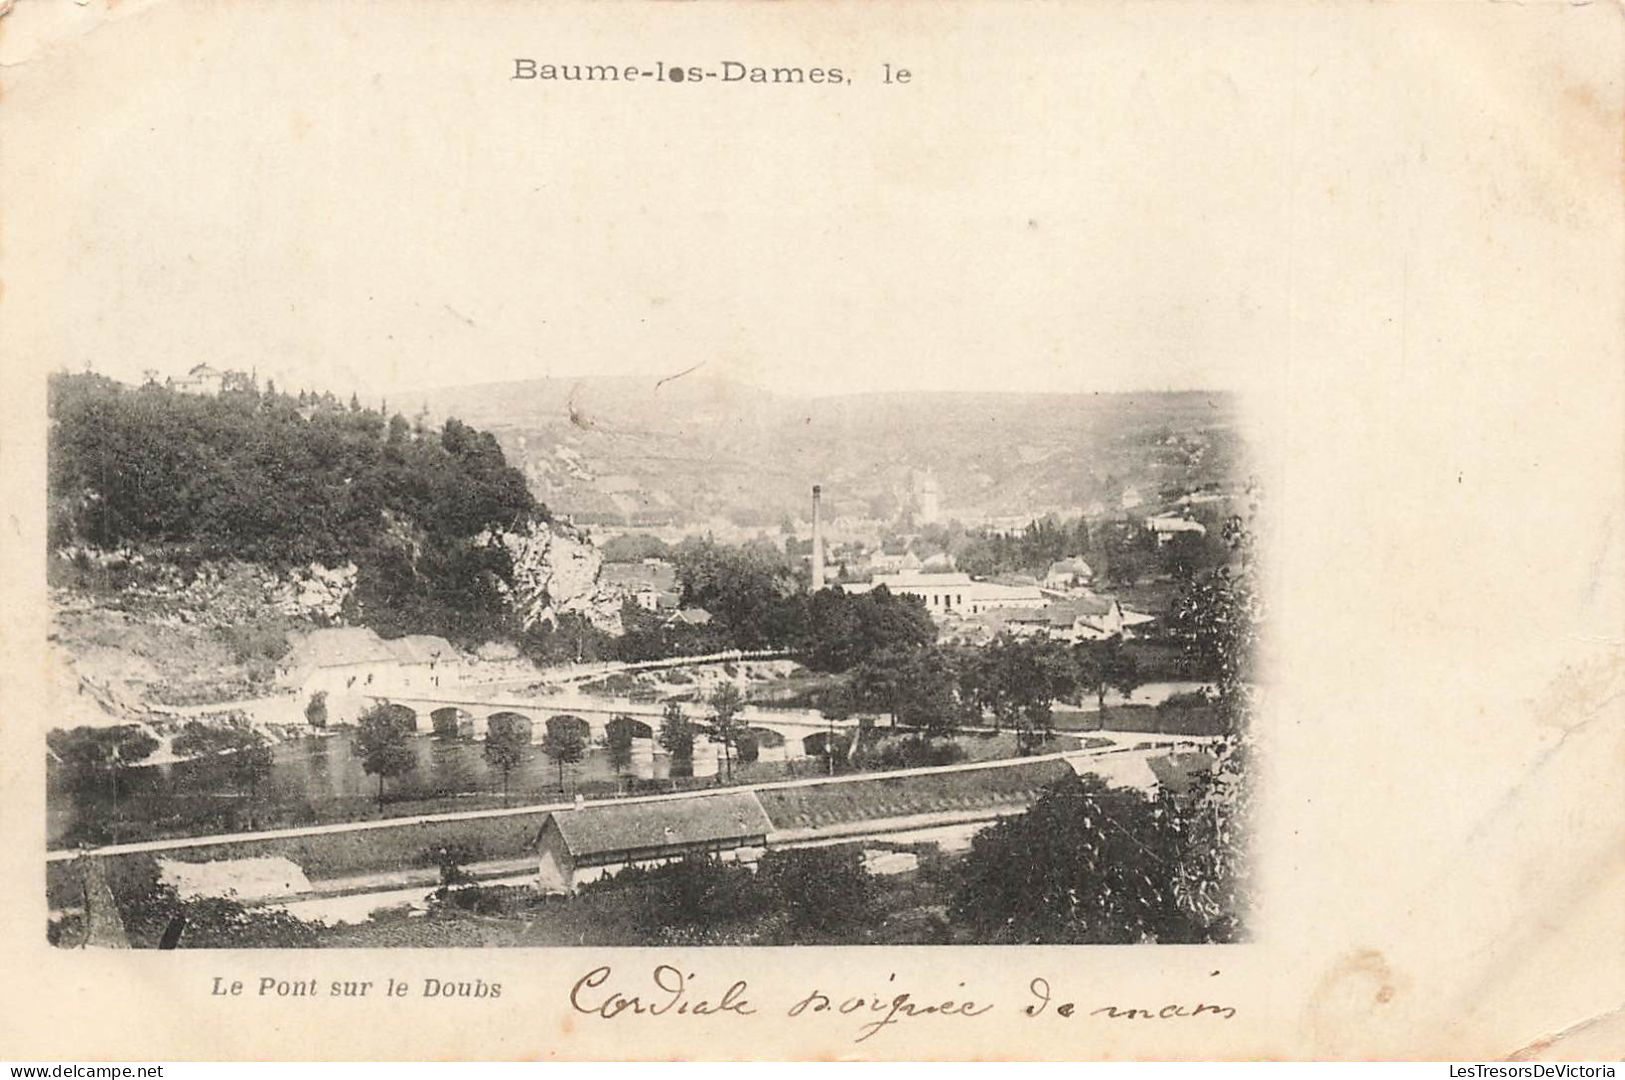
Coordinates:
202	379
582	845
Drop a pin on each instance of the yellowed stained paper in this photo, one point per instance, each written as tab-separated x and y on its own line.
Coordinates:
942	260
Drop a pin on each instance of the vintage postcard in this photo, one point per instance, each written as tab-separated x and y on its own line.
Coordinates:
1027	531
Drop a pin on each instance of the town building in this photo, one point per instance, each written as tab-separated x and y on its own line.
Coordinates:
338	660
955	593
641	582
1167	526
1075	619
884	563
689	616
423	662
1066	575
584	844
352	665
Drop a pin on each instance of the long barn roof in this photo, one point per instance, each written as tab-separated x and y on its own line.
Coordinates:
599	829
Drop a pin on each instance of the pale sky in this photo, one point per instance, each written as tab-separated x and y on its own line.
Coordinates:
397	213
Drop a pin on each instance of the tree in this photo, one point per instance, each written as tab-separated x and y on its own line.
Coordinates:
1020	679
618	735
248	754
1085	865
677	736
842	630
256	478
507	743
745	589
316	709
1105	665
90	753
383	742
927	691
837	705
1216	617
726	703
565	744
877	684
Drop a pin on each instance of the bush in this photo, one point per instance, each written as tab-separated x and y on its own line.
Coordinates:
823	891
915	751
1190	699
264	640
695	892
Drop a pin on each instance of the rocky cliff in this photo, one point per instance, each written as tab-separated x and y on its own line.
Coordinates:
556	572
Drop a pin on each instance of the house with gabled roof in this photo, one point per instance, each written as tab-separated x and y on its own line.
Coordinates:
202	379
423	662
1067	574
583	844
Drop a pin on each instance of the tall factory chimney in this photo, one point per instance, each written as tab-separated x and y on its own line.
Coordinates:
818	540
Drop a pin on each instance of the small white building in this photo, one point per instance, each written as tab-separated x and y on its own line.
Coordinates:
1167	526
642	582
352	665
202	379
953	594
1068	574
339	660
423	662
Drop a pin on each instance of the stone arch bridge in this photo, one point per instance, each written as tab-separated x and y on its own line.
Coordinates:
800	729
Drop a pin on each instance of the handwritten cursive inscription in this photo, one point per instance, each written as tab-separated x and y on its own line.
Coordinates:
668	990
672	994
894	1008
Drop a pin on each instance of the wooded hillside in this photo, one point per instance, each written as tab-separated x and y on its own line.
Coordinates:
285	480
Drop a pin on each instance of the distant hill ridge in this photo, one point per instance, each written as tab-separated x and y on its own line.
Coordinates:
685	449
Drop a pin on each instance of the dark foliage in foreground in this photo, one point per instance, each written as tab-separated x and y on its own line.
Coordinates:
1086	865
807	895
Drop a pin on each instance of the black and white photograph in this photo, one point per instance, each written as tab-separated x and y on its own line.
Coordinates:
639	660
548	531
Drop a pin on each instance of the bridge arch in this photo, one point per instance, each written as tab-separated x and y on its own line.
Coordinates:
517	720
633	727
569	722
766	744
403	715
820	743
451	722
